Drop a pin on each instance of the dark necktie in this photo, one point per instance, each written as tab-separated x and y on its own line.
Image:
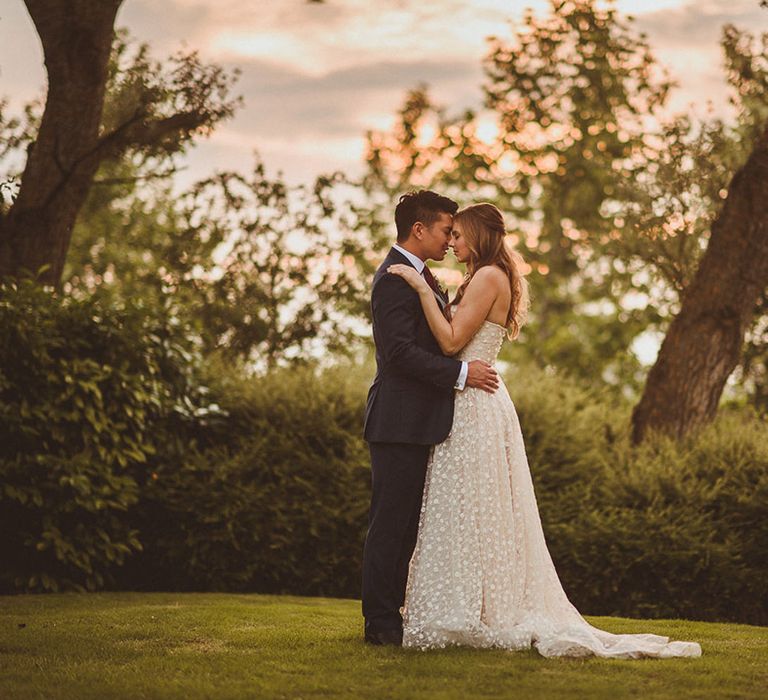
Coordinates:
431	280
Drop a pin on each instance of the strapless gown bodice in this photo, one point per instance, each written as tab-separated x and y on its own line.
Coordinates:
485	344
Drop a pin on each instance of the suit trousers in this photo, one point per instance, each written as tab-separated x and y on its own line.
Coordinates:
397	485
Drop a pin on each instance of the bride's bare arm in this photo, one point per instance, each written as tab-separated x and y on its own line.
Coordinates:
477	301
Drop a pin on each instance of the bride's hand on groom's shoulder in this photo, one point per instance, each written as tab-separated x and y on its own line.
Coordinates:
410	275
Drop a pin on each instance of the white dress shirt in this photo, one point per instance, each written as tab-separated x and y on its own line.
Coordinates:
419	264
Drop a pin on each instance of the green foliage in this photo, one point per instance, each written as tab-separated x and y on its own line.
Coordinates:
155	112
275	498
667	208
567	98
154	109
84	390
609	199
282	276
108	446
265	271
665	529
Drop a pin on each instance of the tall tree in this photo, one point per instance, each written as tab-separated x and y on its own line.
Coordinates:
568	98
76	38
281	285
77	134
727	293
266	272
703	344
613	203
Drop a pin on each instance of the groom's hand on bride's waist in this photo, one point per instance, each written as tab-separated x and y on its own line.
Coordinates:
480	375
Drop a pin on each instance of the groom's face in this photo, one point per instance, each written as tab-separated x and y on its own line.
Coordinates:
436	237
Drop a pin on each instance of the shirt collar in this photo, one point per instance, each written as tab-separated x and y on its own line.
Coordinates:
416	262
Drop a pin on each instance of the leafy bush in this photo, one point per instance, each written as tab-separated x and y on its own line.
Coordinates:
83	386
106	447
666	529
273	499
676	529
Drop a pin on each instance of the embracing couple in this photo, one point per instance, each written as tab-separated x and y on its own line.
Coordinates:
455	553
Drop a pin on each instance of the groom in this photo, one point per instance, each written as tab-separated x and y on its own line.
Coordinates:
409	409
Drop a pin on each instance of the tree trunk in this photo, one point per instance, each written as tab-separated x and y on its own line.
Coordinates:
704	341
76	36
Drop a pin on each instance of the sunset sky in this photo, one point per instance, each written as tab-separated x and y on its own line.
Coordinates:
316	76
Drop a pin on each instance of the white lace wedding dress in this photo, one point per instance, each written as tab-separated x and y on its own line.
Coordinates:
481	574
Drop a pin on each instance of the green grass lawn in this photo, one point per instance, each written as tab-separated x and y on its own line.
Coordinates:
209	645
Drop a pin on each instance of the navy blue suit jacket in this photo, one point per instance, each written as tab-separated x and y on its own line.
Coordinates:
411	398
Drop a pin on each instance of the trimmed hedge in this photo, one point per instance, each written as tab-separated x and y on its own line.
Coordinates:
87	391
666	529
119	470
275	499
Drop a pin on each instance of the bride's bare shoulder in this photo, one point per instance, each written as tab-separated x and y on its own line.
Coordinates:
489	276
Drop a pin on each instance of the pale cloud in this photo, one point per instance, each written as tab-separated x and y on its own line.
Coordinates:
318	38
686	39
643	7
341	101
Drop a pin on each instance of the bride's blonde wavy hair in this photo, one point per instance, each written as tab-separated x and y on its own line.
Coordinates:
482	226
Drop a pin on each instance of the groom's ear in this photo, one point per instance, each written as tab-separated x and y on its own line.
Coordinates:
417	230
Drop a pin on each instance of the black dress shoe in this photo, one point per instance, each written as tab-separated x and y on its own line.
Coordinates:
384	637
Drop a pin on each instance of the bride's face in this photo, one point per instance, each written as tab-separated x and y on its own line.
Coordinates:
459	243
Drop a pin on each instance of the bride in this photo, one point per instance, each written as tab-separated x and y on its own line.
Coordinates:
481	574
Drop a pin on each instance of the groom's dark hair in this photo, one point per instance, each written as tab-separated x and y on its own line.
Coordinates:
422	205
